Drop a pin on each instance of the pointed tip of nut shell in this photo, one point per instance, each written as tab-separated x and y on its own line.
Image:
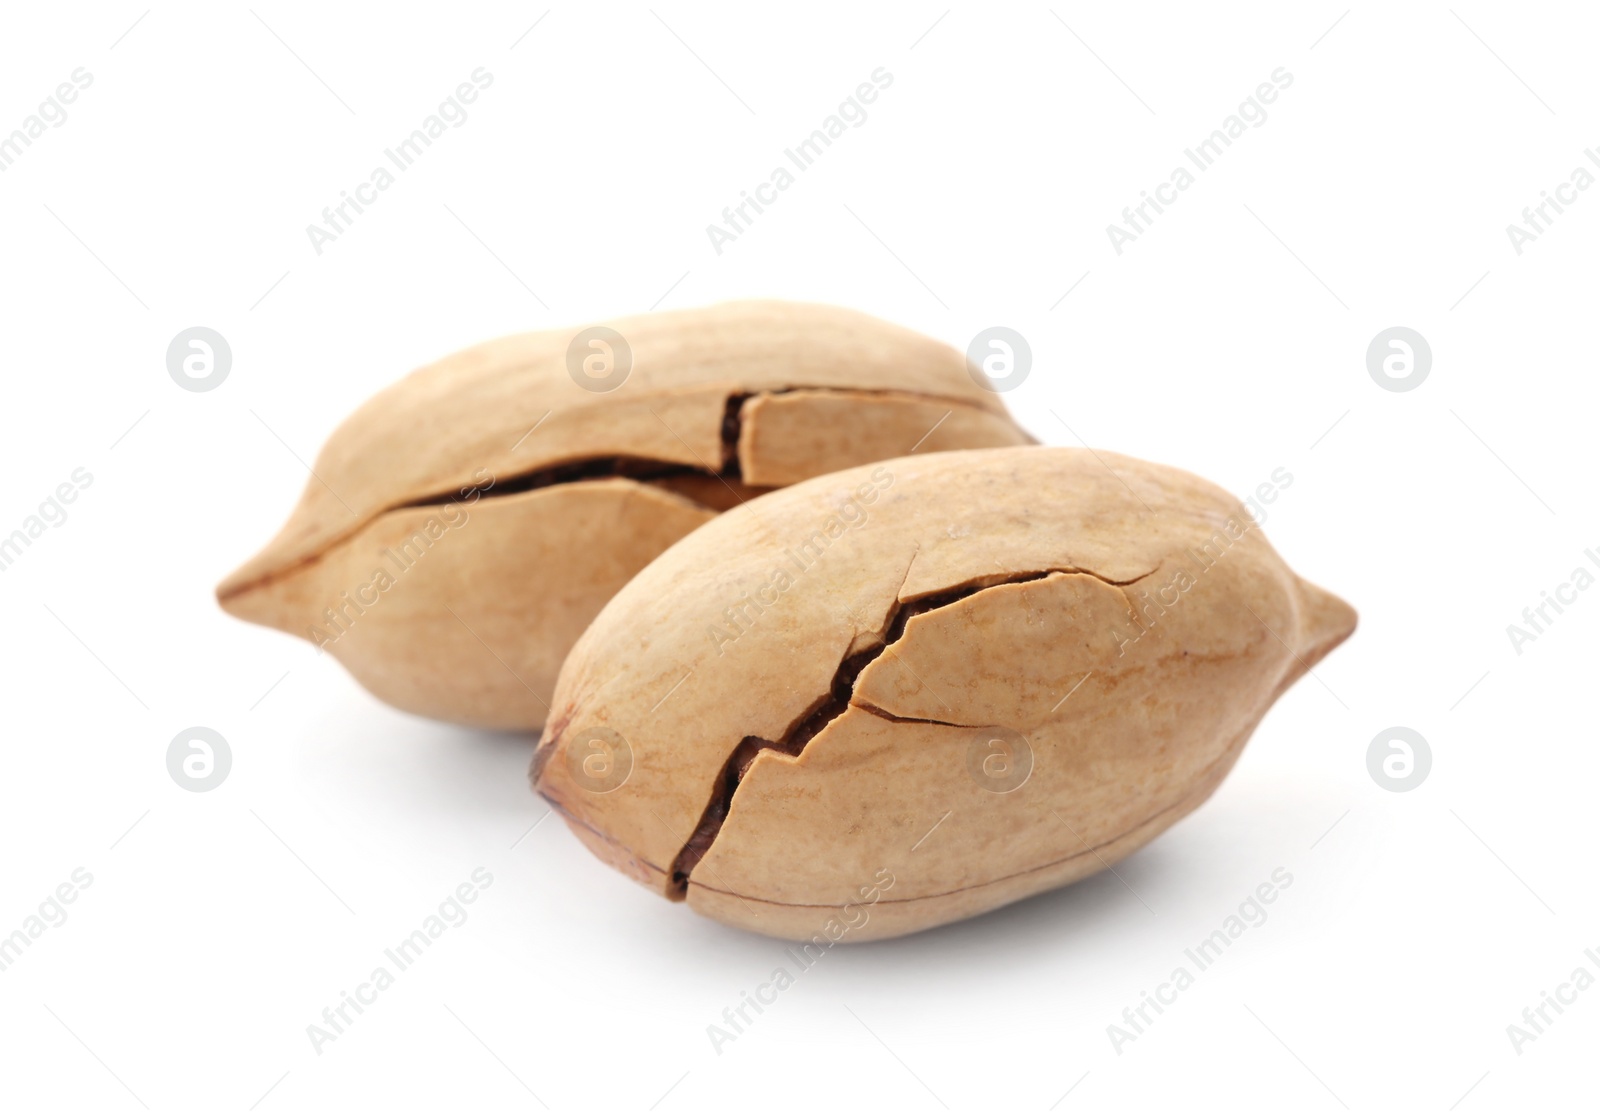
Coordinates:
1327	622
254	591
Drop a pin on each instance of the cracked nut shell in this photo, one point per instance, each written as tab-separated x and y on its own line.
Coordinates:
463	526
975	676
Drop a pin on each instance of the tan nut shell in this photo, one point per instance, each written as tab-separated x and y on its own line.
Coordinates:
1039	556
482	596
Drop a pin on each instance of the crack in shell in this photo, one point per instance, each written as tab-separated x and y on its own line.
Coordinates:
825	710
660	473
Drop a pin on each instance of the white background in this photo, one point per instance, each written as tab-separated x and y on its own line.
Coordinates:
1229	339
